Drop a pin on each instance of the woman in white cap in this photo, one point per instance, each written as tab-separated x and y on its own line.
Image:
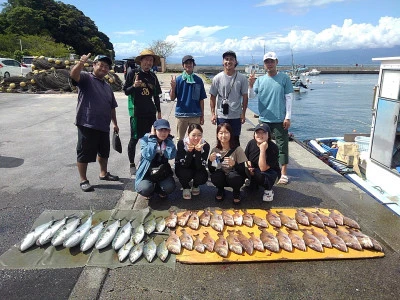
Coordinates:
154	173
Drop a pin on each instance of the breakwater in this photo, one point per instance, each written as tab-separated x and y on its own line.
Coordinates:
213	69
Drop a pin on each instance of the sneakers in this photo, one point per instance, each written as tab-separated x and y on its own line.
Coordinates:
268	195
86	187
195	191
247	182
186	194
132	169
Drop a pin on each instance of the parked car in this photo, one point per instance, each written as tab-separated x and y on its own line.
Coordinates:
27	61
10	67
119	66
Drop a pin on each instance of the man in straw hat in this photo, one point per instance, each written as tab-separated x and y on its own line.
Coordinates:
143	90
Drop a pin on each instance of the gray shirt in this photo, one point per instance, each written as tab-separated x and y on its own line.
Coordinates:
231	88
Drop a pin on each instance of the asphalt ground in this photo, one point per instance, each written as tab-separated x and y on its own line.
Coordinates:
38	166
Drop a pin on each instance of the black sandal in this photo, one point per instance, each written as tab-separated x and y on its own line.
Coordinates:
219	197
236	196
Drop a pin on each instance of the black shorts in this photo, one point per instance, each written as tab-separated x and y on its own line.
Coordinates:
92	142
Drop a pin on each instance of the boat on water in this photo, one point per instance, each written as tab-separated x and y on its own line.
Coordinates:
313	72
372	160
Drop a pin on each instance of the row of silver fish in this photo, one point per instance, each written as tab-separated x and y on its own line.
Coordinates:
238	243
218	221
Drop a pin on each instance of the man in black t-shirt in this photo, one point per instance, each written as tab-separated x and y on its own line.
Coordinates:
143	90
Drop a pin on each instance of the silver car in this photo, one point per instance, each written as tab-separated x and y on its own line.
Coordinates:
10	67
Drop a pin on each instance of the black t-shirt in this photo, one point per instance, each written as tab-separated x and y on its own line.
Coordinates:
253	154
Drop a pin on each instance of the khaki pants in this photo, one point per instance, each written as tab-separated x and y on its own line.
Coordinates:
182	125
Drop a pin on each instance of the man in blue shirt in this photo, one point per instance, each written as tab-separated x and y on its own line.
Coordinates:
189	91
275	96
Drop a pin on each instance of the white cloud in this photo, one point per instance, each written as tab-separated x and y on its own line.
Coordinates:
129	32
298	3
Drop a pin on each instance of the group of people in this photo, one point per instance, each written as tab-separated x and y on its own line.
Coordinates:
262	162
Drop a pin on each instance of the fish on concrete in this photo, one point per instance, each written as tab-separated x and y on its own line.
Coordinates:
149	250
198	244
237	217
138	233
327	220
301	218
186	240
297	241
65	231
208	242
46	236
172	219
184	218
150	225
107	235
257	243
124	251
364	240
194	221
350	222
273	219
76	237
350	240
122	237
30	238
173	243
91	237
287	221
136	252
311	241
247	243
314	219
337	217
227	218
247	218
160	224
162	251
221	245
336	241
269	240
217	222
284	241
233	242
205	217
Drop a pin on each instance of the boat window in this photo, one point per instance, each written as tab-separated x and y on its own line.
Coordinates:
390	84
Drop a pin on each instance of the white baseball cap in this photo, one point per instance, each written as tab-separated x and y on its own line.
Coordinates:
270	55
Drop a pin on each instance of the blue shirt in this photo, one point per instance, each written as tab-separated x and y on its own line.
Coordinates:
271	93
95	102
188	97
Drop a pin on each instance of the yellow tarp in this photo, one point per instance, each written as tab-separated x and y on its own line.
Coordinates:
194	257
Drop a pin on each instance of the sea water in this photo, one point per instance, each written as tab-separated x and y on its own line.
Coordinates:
331	106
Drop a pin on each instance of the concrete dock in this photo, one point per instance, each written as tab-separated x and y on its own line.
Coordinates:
38	165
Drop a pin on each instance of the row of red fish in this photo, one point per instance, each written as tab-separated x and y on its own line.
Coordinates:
238	243
218	221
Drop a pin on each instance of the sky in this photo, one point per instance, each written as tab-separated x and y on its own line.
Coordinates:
208	28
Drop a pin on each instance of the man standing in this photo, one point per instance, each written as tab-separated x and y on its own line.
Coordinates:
189	90
94	112
143	91
275	96
229	91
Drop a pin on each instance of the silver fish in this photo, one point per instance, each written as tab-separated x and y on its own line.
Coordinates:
233	243
150	225
269	240
237	217
208	241
149	250
217	222
31	238
336	241
338	218
350	222
173	243
138	234
205	217
183	218
273	219
350	240
247	218
48	234
227	218
136	252
287	221
194	221
122	237
328	221
186	240
91	237
198	244
247	244
284	241
124	251
322	238
64	232
171	220
162	251
257	243
76	237
314	219
221	245
312	242
107	235
297	241
301	218
160	224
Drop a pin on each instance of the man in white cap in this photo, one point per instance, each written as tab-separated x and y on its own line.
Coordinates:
143	90
275	97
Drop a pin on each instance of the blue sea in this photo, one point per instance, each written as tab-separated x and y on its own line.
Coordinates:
332	106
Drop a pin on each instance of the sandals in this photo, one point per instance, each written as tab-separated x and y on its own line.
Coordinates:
109	177
86	187
283	180
236	198
186	194
220	195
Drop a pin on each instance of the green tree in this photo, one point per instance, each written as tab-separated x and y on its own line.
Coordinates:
24	20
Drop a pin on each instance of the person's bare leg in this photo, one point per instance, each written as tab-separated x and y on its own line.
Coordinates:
103	165
82	168
284	170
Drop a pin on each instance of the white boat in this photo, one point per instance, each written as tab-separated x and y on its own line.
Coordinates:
313	72
377	160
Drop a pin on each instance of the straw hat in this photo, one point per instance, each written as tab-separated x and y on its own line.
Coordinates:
147	52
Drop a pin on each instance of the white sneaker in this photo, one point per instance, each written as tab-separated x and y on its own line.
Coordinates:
247	182
268	195
195	191
186	194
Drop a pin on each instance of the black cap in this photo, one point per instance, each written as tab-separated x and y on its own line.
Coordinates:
229	53
186	58
103	58
264	127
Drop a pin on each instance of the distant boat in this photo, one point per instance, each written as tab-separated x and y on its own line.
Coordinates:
314	72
